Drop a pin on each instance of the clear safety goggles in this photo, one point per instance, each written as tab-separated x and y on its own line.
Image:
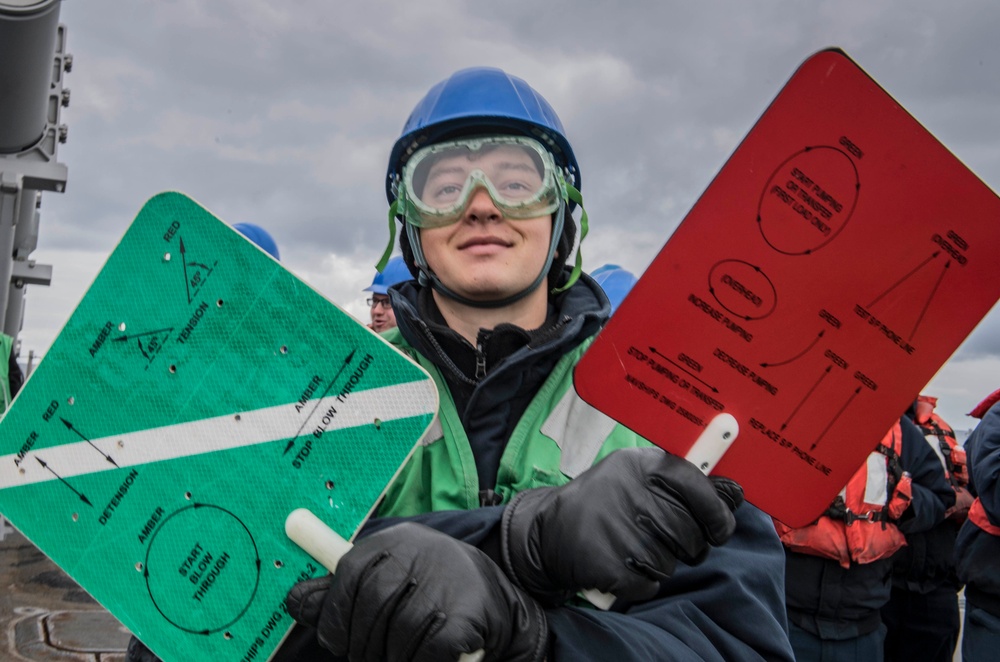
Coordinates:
519	174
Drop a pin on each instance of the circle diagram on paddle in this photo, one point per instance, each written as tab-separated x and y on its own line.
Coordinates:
202	568
801	211
743	289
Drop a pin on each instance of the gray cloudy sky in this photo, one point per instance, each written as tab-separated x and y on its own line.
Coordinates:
283	113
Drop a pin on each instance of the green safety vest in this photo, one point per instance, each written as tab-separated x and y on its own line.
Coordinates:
6	342
558	437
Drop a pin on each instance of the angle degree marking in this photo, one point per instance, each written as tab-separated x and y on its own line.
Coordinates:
131	336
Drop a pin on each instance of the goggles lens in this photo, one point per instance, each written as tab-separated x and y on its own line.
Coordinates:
518	173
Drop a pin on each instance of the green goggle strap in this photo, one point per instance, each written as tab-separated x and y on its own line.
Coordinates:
380	266
574	195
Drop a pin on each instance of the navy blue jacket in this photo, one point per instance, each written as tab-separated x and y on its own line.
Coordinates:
978	552
927	562
835	603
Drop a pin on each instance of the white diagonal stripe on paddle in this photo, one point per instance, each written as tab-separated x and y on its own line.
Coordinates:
216	434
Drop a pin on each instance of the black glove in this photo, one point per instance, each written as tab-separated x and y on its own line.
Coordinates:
620	527
409	592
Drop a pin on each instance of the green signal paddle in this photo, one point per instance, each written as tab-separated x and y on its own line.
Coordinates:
200	393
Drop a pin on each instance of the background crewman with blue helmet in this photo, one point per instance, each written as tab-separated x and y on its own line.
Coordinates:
379	304
616	282
259	236
522	495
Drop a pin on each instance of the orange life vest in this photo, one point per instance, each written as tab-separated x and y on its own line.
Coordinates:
860	525
944	442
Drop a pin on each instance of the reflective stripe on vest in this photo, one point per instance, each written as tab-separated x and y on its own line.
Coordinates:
434	433
978	516
580	430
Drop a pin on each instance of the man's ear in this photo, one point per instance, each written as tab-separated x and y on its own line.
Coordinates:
407	250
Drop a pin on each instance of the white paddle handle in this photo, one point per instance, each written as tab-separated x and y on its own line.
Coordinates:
706	452
326	546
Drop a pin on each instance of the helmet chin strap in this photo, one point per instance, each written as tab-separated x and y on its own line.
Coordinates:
428	277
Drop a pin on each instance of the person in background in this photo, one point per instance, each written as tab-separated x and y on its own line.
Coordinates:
383	318
977	550
522	495
260	237
922	615
838	569
615	281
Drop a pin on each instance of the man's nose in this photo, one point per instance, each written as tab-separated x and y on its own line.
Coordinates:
481	208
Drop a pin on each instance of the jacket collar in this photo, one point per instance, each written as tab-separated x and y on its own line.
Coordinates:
574	316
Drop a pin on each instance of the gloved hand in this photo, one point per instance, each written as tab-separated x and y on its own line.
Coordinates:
409	592
619	527
963	501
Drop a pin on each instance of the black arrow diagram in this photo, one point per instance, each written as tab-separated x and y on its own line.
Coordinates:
684	370
797	356
901	280
830	424
806	397
930	297
79	434
187	286
347	362
63	481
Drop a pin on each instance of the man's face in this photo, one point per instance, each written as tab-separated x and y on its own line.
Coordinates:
382	316
485	256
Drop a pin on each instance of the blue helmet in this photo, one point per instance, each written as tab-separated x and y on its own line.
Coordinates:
259	236
481	100
615	281
395	272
